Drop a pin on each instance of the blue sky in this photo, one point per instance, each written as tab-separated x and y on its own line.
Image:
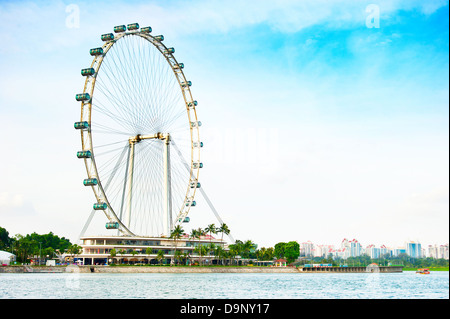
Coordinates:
316	127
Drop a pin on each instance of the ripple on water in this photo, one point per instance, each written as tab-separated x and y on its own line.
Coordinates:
223	286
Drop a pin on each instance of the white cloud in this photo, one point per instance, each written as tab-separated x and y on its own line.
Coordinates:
320	167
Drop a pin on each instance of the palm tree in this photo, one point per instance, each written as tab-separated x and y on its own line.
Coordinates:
74	250
148	251
211	249
198	234
194	234
224	230
160	255
122	252
247	247
234	251
113	254
201	250
211	229
176	234
219	252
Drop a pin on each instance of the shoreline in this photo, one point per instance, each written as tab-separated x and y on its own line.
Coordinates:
187	269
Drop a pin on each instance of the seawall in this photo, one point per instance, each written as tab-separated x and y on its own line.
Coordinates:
178	269
377	269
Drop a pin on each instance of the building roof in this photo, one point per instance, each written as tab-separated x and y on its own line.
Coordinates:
5	255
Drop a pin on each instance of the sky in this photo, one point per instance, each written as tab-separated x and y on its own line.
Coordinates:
322	120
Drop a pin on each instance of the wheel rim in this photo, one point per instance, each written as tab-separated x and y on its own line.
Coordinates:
137	90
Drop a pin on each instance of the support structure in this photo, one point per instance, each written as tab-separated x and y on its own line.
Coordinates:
167	204
167	188
130	182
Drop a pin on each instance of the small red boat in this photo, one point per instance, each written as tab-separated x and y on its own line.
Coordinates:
423	271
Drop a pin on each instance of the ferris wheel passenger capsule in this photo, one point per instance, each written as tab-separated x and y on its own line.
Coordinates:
195	185
107	37
100	206
88	71
186	84
179	66
120	28
90	182
96	51
146	30
133	26
159	38
112	225
198	165
196	124
192	104
82	97
198	144
169	51
81	125
186	220
84	154
191	203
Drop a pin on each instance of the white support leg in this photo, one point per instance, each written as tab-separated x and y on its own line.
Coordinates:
167	221
130	185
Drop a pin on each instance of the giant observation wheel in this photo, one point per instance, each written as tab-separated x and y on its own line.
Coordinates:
139	133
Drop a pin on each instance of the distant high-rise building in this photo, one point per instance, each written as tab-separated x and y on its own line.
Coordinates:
438	252
443	251
433	251
323	251
414	249
307	249
355	248
372	251
384	251
397	251
350	248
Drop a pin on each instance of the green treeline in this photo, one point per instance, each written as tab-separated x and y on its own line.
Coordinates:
49	244
33	245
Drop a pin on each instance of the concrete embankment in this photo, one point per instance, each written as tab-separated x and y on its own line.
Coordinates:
178	269
29	269
377	269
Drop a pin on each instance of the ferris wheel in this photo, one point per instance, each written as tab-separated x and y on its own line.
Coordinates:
139	133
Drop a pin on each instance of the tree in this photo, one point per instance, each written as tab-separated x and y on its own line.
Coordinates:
223	229
233	251
122	252
160	255
211	229
113	253
248	249
219	252
178	255
279	250
74	250
5	241
198	234
201	250
148	251
292	251
176	234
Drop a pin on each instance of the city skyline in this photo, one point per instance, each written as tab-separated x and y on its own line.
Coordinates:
317	122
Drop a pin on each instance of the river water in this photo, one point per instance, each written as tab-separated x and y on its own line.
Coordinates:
406	285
